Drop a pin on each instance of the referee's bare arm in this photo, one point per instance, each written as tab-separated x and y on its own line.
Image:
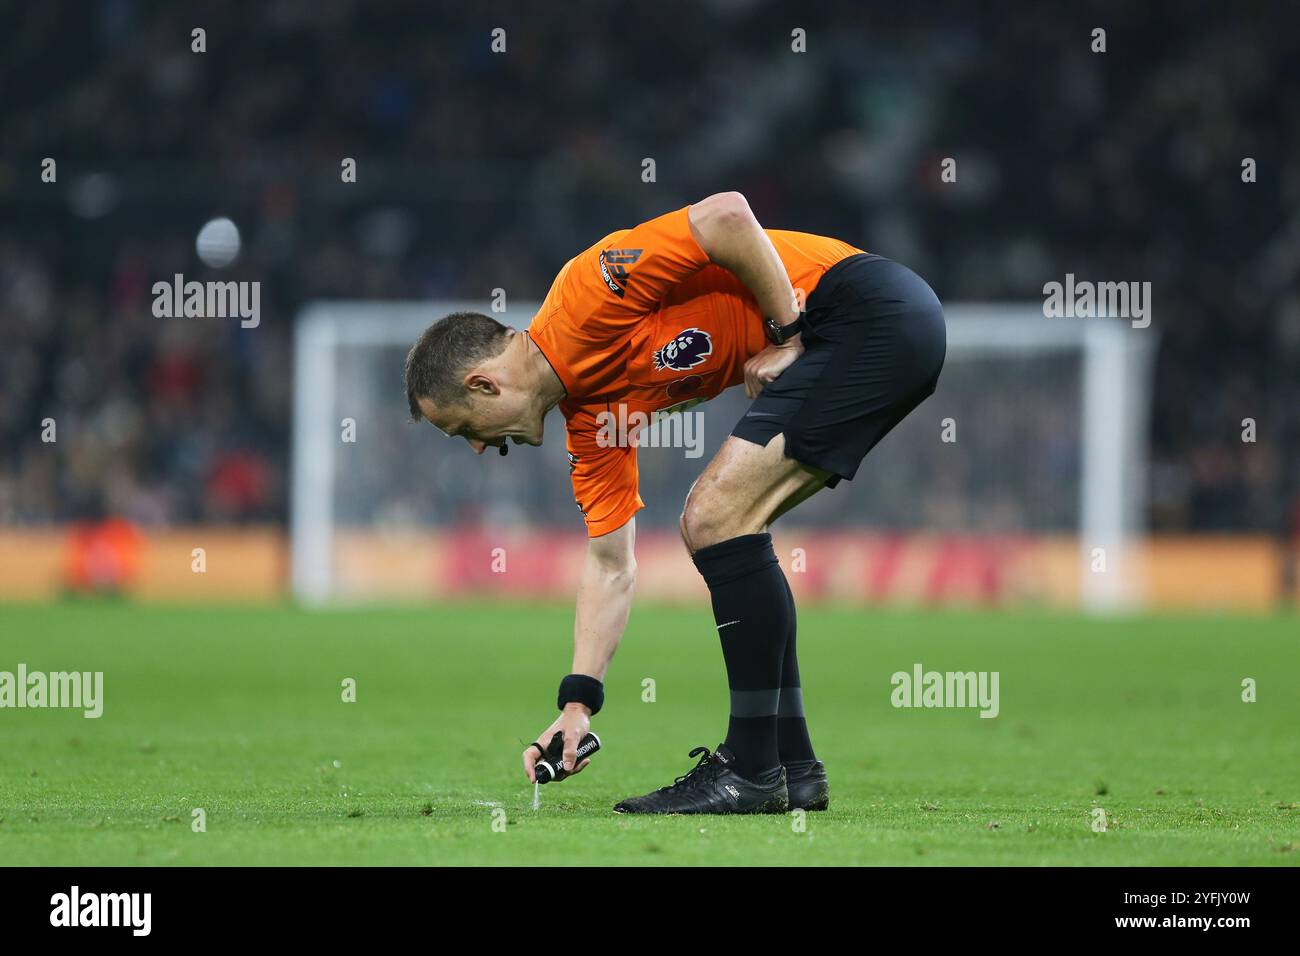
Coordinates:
725	228
604	603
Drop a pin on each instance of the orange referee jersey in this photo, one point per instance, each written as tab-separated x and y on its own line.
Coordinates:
643	322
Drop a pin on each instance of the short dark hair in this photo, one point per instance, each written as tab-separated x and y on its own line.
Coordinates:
439	358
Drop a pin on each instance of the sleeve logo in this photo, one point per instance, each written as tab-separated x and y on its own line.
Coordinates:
613	267
689	348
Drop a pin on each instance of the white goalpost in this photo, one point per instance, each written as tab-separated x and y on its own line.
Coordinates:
1053	412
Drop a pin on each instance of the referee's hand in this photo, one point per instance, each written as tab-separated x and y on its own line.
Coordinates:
768	364
574	721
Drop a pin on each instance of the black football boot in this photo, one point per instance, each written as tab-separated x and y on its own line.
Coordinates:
712	786
807	785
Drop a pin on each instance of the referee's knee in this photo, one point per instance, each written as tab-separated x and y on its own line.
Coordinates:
707	519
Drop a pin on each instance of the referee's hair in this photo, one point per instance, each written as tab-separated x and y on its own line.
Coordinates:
437	362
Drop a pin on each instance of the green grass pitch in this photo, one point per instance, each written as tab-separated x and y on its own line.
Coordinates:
240	712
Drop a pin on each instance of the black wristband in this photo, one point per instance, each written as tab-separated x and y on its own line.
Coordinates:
581	689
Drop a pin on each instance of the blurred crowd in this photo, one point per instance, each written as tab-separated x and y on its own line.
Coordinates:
478	170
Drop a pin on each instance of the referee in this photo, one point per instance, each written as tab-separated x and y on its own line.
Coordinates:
834	345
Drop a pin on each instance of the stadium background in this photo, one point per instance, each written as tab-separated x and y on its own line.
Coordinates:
479	171
390	732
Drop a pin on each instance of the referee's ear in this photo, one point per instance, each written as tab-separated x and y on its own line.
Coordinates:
476	381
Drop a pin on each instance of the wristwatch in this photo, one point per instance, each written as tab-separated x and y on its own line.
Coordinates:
779	334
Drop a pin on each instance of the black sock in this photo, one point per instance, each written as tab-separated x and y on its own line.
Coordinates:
752	608
792	740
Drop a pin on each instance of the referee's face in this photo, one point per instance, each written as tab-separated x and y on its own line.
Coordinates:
486	420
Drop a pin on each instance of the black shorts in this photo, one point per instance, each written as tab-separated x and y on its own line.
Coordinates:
873	352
